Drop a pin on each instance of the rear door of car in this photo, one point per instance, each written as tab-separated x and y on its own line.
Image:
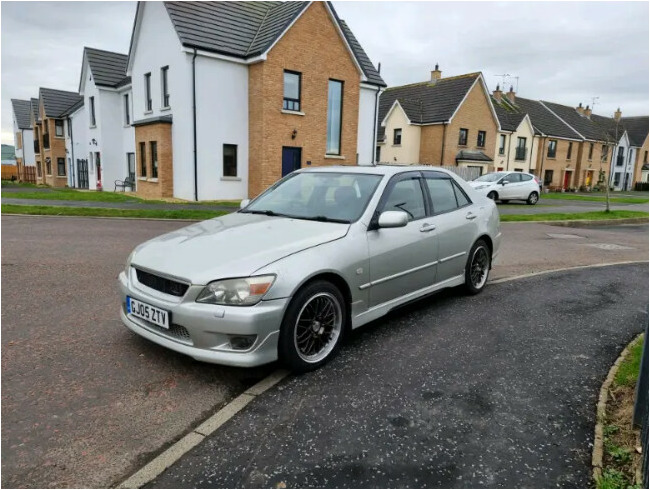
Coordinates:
455	218
402	260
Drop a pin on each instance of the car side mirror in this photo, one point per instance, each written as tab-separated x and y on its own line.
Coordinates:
244	203
393	219
504	182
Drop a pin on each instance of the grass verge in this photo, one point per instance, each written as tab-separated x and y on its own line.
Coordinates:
563	196
198	214
14	183
620	458
592	215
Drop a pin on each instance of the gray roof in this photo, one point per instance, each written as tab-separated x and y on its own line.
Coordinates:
73	107
427	102
509	115
108	68
34	103
592	128
248	29
544	120
473	156
57	102
637	129
21	111
166	119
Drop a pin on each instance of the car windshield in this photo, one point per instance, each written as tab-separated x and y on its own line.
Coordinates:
318	196
493	177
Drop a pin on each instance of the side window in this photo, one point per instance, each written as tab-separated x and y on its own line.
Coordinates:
406	195
526	177
513	178
461	197
443	195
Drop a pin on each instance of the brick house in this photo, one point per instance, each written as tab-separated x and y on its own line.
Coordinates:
637	132
23	137
48	123
443	121
230	96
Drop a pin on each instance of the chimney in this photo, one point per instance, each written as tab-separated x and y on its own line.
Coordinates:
511	95
436	74
580	109
617	115
588	112
498	94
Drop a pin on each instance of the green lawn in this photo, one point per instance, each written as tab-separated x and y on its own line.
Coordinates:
11	183
628	371
593	215
567	196
77	195
197	214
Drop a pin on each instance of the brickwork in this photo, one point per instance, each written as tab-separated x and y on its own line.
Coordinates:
474	114
55	151
146	186
639	161
431	144
314	48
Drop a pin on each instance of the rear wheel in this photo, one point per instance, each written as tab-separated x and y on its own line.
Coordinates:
532	198
477	268
493	195
312	327
505	201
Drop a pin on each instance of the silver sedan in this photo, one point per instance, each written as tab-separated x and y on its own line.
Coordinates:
321	252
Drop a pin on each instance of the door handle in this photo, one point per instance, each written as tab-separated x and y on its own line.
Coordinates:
470	215
426	227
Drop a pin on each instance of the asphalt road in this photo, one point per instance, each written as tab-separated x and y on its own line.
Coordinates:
492	391
85	402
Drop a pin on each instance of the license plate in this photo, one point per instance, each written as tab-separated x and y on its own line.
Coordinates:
147	312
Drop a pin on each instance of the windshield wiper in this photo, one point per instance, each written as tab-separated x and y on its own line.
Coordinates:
324	219
266	212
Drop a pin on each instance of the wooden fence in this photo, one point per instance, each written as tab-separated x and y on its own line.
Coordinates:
28	174
9	172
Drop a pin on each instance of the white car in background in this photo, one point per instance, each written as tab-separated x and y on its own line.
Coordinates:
508	186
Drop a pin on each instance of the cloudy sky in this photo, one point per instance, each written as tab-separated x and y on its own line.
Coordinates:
567	52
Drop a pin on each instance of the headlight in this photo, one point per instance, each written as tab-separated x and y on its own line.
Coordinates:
245	291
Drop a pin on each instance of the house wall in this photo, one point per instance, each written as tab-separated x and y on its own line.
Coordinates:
93	141
162	186
627	166
559	164
474	114
28	147
639	161
431	138
508	160
312	37
408	151
366	137
157	46
77	146
56	151
127	133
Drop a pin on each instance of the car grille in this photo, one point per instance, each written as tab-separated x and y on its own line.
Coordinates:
161	284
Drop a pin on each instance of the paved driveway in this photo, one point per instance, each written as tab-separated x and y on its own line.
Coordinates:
492	391
85	402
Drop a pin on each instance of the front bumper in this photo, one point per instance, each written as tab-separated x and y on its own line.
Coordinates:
204	331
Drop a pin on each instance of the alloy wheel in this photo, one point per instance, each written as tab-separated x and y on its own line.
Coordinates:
318	327
479	267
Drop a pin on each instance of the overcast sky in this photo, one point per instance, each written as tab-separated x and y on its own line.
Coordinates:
566	52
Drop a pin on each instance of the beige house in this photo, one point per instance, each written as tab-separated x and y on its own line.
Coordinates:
443	121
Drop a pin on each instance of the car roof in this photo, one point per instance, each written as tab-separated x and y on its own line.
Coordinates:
375	169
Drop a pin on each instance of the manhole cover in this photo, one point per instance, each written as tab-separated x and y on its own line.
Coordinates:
609	246
564	236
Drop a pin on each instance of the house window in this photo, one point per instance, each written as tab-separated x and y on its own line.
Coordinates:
127	111
58	128
462	137
603	153
397	136
93	121
552	148
154	159
334	116
617	179
60	166
378	153
591	150
143	160
230	160
620	157
645	157
48	166
164	86
69	128
548	177
568	151
520	151
480	139
502	144
130	164
147	92
292	87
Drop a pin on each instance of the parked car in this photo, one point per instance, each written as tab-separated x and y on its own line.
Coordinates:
322	251
508	186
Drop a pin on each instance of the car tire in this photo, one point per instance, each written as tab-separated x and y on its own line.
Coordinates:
532	198
493	195
478	266
317	310
505	201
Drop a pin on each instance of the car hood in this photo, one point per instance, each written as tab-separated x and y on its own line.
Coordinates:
234	245
475	184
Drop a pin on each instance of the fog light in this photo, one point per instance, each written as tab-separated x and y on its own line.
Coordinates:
242	342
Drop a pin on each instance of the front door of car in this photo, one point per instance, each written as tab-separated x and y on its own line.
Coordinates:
455	218
402	260
512	189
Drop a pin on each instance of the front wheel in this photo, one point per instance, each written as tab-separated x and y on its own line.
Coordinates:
532	198
477	268
493	195
312	327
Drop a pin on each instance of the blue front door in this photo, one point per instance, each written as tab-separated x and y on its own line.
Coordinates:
291	158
